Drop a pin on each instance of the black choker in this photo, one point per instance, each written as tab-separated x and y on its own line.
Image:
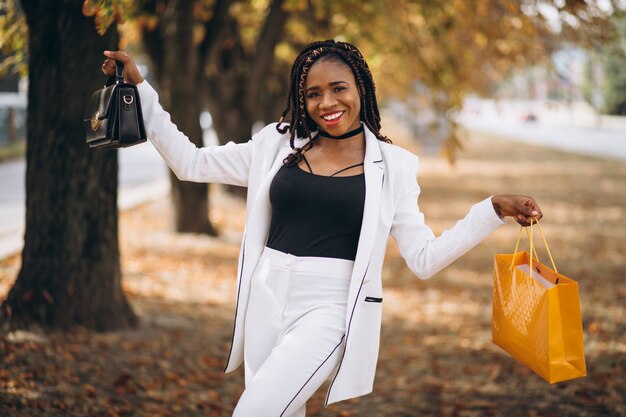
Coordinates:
344	136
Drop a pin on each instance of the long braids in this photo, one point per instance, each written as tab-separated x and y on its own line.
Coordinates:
301	124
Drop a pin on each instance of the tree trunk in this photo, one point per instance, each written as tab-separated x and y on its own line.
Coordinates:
179	92
231	123
174	58
11	125
70	273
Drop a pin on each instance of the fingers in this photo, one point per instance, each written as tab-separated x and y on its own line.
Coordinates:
120	55
538	209
533	209
521	208
523	221
108	67
131	72
529	212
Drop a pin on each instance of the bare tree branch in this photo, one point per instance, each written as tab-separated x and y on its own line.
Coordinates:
214	31
272	32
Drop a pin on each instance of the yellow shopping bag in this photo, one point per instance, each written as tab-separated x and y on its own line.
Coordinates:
536	314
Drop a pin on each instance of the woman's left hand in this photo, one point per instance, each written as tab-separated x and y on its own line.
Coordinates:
131	72
521	208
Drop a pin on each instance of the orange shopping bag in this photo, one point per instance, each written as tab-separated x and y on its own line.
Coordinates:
536	314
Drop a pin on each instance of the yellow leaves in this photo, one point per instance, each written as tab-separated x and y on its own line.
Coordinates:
150	23
89	390
13	39
451	146
504	47
481	39
90	8
250	16
203	11
284	52
107	12
339	19
417	20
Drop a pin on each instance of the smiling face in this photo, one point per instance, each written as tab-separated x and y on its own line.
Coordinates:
332	96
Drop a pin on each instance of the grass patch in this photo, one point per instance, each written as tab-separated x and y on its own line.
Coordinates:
12	151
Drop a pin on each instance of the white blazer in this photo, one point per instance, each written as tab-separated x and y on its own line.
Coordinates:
390	208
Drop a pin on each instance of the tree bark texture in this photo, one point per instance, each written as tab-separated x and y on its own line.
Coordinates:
70	272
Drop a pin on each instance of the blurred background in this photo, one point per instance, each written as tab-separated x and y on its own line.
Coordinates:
118	281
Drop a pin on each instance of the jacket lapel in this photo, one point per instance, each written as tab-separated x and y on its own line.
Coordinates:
374	177
255	235
259	214
374	180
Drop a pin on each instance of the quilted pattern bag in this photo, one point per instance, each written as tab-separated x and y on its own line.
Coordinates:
536	314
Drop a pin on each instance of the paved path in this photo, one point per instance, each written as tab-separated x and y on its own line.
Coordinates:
143	176
584	140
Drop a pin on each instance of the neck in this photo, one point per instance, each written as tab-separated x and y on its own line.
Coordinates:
347	135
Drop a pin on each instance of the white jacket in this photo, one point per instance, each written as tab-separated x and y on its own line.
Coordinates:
390	207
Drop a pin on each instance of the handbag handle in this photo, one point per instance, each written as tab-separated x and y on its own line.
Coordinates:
119	74
533	250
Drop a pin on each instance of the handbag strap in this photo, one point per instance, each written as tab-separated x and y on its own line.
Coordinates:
119	74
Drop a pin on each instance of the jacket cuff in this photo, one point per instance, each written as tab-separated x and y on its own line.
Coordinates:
488	213
146	90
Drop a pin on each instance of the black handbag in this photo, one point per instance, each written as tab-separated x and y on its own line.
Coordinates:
113	118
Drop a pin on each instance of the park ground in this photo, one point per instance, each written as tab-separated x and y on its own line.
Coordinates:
436	357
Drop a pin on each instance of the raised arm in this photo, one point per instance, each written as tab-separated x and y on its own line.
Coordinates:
228	164
426	254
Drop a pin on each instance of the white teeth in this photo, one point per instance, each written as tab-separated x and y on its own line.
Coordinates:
333	116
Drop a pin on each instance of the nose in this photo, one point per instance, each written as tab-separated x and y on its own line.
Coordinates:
328	102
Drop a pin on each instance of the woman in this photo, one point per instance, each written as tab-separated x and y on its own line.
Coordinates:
324	193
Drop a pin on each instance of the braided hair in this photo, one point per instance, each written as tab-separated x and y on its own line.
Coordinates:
301	123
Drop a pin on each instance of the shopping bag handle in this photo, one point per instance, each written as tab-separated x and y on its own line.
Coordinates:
533	250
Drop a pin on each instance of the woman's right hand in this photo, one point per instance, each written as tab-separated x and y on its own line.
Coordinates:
131	72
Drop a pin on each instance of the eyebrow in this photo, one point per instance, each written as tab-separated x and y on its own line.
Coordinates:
333	83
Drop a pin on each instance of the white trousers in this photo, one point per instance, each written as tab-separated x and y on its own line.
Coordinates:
294	331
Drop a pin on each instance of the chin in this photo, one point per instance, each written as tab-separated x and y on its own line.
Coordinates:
336	130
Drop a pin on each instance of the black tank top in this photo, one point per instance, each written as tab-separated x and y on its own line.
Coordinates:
316	215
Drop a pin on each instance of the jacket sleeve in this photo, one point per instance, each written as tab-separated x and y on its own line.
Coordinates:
426	254
227	164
